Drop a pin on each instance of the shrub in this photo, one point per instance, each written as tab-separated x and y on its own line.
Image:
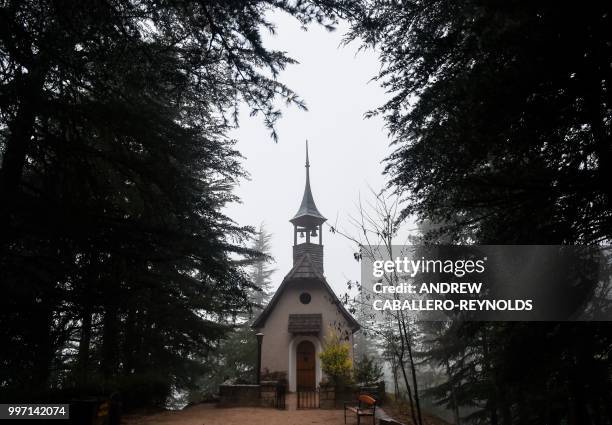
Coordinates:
367	370
336	360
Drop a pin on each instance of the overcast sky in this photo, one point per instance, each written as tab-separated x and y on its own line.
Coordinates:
346	150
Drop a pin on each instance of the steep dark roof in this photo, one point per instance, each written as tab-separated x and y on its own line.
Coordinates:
308	207
304	269
308	213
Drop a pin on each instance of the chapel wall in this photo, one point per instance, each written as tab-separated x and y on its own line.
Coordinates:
275	347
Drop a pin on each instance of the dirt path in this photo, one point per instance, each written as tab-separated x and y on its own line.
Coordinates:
210	415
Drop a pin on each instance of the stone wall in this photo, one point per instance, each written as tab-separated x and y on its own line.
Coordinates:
332	398
267	393
376	390
327	397
239	395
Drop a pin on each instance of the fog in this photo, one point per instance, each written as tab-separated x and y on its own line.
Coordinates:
346	150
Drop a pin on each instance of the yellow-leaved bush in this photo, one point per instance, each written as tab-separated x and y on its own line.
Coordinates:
336	360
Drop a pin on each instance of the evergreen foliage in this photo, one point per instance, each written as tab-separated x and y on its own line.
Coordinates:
500	115
367	370
260	271
500	118
119	271
235	357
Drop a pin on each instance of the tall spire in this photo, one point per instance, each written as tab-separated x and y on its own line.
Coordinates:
308	214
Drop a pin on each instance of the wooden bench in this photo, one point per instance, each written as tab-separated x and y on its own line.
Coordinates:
364	406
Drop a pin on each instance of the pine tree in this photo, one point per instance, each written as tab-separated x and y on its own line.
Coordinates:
118	268
235	357
260	273
500	121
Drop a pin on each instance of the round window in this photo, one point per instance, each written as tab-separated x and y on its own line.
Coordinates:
305	298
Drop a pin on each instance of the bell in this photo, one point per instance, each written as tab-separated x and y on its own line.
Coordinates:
301	234
313	233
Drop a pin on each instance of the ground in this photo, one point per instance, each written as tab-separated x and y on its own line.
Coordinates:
400	411
206	414
209	414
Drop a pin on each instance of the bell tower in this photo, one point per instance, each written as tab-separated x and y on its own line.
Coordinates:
308	226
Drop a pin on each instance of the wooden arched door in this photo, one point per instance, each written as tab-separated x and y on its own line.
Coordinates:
305	364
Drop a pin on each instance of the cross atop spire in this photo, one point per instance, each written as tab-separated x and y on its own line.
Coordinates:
308	215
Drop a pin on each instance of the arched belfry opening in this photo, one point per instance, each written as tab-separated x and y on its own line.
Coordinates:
308	227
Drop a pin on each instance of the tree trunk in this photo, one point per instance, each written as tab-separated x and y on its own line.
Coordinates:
456	416
578	410
395	377
492	401
21	131
45	349
414	379
84	345
407	382
110	341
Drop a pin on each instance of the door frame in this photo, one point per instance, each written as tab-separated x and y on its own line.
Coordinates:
293	360
307	368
